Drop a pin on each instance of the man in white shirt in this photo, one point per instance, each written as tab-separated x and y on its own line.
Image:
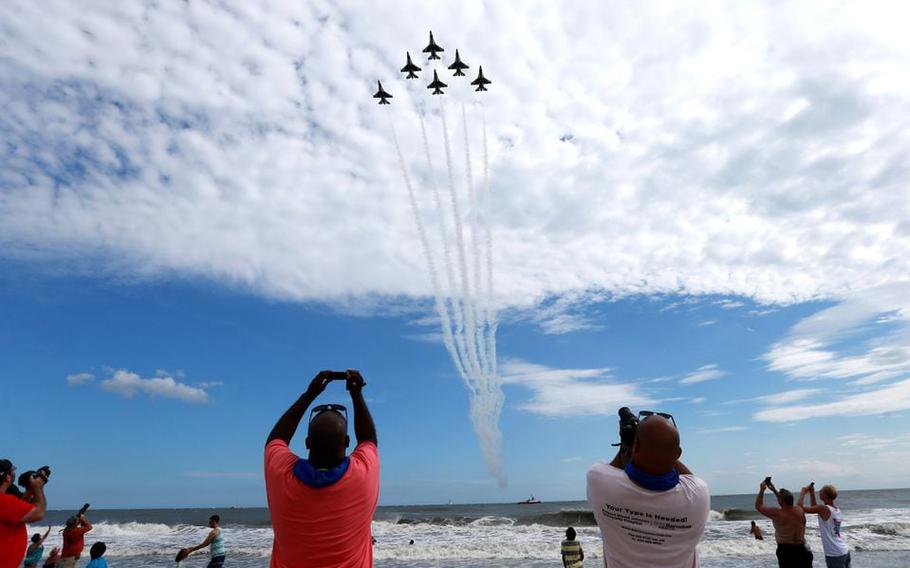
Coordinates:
650	508
837	553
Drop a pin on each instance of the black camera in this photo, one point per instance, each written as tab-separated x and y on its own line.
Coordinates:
44	472
83	510
628	427
338	376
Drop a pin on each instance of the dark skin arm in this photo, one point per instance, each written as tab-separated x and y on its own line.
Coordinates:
364	428
286	426
36	486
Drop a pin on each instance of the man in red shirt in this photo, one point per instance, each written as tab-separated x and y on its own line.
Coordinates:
15	513
74	540
322	507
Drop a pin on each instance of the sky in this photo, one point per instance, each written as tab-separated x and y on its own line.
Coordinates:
702	210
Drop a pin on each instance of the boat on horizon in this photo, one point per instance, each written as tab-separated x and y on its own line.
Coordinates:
530	501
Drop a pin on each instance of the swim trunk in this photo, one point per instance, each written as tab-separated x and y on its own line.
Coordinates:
68	562
793	556
838	561
216	562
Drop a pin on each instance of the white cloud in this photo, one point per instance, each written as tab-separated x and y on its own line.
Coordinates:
824	345
721	429
697	400
788	396
706	323
730	304
79	379
702	374
850	341
573	459
891	398
746	151
812	469
129	384
571	392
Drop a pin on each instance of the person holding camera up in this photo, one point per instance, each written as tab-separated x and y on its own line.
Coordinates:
15	513
74	538
789	522
650	508
837	552
321	507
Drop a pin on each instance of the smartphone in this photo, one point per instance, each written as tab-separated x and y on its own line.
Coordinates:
338	376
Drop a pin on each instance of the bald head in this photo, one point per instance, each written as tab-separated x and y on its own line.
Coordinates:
327	437
656	447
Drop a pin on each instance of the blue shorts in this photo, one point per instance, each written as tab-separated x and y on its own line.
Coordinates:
838	561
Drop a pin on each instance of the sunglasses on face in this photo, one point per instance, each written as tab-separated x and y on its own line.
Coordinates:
643	414
339	408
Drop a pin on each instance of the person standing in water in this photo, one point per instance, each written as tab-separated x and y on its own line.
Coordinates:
789	522
572	554
837	553
215	542
36	549
756	531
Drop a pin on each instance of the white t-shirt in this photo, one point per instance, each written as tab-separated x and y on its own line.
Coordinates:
829	530
644	528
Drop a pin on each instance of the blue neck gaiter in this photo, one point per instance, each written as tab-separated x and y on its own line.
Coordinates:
663	482
317	478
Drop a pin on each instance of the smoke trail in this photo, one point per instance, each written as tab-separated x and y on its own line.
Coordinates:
434	278
460	248
489	314
447	256
478	331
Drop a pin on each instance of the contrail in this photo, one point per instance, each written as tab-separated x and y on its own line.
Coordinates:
460	248
489	313
447	256
434	279
478	330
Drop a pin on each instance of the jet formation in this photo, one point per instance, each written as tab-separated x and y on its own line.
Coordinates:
411	71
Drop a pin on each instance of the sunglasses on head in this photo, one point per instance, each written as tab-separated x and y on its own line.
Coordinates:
339	408
643	414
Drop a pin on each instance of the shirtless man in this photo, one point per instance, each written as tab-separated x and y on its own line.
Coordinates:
756	531
789	527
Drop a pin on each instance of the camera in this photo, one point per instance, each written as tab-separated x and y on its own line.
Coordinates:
44	472
628	427
338	376
83	510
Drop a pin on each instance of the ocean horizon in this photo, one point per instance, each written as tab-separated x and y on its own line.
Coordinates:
501	535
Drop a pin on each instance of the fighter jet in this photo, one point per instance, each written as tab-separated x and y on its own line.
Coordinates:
382	95
458	66
410	68
436	85
432	48
480	81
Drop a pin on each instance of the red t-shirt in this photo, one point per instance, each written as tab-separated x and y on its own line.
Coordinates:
325	527
74	541
13	533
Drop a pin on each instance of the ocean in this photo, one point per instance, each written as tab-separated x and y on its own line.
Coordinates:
876	525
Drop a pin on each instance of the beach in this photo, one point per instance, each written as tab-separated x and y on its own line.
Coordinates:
877	527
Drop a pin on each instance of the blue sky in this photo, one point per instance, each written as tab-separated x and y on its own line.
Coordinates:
702	208
167	450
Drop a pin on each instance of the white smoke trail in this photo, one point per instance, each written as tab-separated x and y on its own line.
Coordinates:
489	313
460	249
431	265
479	308
453	299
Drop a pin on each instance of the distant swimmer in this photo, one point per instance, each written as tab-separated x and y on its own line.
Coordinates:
837	553
572	554
789	522
214	540
756	532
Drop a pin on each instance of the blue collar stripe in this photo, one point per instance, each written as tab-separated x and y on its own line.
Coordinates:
663	482
317	478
